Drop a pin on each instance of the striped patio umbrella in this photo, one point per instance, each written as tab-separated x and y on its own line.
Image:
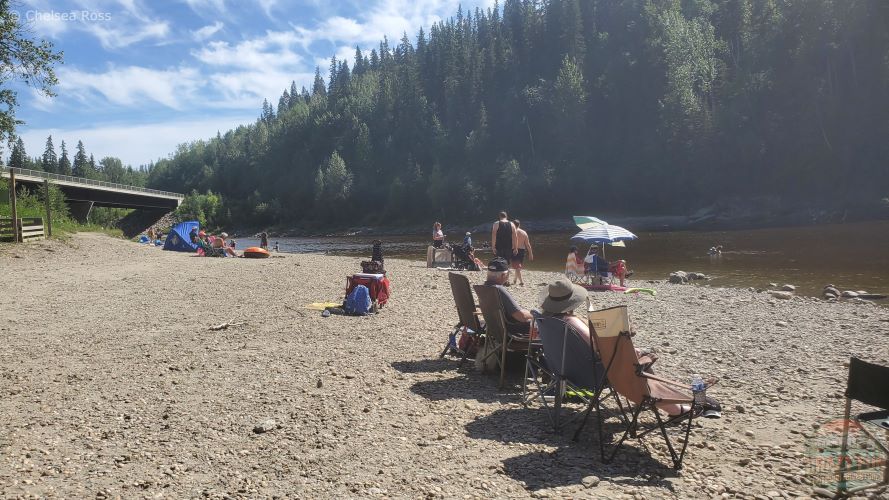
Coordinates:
603	233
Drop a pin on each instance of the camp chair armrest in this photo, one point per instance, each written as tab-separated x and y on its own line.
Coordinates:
665	380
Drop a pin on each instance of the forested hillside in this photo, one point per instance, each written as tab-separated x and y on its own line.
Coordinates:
557	106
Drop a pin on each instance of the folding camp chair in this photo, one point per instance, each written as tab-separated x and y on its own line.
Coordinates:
869	384
572	367
468	317
495	328
625	373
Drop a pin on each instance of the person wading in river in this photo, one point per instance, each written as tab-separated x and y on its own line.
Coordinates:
504	238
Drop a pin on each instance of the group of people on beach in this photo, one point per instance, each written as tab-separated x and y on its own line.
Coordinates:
560	300
508	241
211	244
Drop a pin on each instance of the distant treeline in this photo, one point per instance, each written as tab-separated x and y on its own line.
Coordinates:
561	106
108	169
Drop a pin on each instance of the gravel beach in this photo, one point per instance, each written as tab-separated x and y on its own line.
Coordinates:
113	385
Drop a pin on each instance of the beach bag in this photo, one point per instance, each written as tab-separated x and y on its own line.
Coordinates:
358	301
468	343
483	362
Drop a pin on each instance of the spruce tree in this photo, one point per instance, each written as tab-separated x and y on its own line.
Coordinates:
293	93
283	103
50	161
17	157
318	87
64	162
359	68
81	162
93	171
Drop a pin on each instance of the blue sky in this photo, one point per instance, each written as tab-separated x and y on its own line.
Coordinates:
140	77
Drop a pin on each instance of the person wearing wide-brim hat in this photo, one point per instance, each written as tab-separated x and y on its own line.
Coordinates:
559	300
562	297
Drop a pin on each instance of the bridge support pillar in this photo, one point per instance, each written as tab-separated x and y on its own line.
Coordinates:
80	210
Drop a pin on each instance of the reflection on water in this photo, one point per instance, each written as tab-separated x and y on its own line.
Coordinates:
850	256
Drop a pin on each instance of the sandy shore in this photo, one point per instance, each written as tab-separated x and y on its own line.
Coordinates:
112	385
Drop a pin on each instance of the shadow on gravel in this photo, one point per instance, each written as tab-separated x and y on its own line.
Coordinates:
471	385
436	365
572	461
567	467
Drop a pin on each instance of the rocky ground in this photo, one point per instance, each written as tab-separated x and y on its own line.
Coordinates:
113	385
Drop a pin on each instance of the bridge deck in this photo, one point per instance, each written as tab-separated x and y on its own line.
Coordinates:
34	176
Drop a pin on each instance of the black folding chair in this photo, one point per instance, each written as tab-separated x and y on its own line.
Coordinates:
573	369
869	384
468	317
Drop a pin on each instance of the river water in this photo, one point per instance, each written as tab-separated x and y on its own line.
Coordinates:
851	256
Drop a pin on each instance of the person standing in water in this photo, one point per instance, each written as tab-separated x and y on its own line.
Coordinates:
523	249
503	238
264	240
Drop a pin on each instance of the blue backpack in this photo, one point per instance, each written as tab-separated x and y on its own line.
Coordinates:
358	301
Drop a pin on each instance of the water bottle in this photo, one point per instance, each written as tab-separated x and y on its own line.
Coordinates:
698	387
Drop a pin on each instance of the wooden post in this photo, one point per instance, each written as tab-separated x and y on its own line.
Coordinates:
15	212
48	224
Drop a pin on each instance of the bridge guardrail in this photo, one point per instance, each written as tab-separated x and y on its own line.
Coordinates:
88	182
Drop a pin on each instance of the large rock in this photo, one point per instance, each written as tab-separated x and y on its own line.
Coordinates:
678	277
788	288
849	294
830	291
697	276
780	294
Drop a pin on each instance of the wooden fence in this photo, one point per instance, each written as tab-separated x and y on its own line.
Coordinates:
27	229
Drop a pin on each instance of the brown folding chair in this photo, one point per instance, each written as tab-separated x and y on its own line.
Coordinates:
625	373
495	328
869	384
467	314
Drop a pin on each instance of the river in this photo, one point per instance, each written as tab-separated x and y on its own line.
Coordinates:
851	256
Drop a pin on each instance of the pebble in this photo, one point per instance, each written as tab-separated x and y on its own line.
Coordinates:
781	323
590	481
265	426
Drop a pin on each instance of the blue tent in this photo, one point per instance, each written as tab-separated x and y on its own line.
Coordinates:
179	239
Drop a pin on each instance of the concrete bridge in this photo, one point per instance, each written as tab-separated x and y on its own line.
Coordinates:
83	194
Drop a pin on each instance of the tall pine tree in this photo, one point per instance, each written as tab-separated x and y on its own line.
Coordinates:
49	162
64	162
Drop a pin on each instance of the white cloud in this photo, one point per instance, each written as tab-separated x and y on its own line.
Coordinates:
132	85
270	51
203	6
114	36
390	18
267	6
247	89
207	31
136	144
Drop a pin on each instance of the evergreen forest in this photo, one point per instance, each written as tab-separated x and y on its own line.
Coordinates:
562	106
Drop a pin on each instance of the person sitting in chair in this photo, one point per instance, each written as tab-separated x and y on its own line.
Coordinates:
518	320
561	298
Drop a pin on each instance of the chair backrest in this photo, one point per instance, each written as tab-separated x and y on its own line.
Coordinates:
462	292
568	354
492	311
868	383
610	330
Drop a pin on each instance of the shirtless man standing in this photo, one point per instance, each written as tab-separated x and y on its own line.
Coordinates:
524	249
